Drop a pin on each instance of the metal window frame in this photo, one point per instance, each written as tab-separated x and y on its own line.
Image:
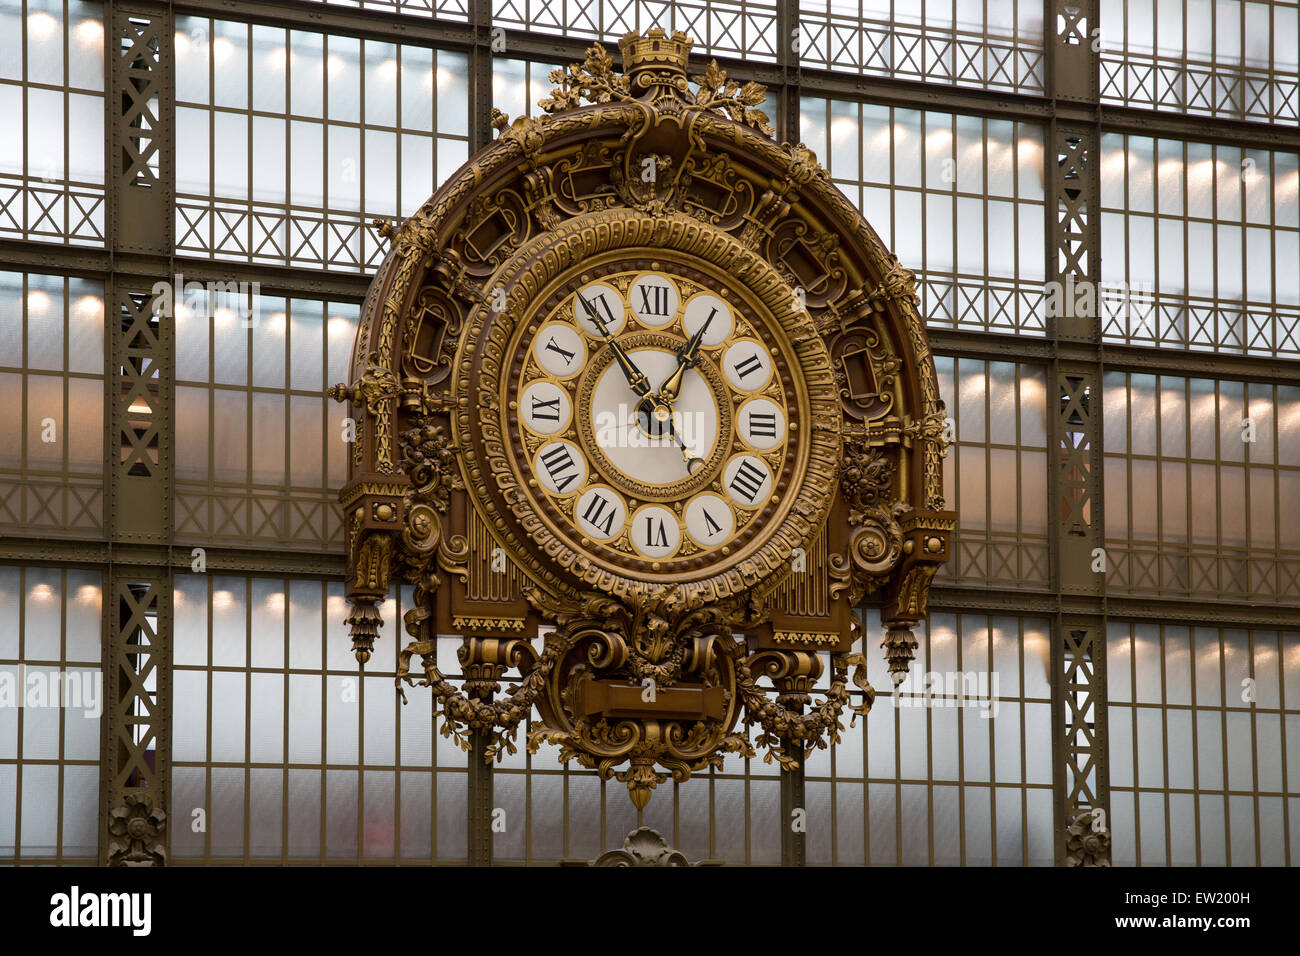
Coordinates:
138	544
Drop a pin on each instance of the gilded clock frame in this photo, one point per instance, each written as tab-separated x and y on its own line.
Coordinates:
484	428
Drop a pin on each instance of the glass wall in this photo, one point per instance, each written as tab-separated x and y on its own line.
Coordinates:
734	28
52	97
1202	486
981	43
51	704
1225	58
957	198
1204	744
261	451
996	473
288	143
52	381
1200	246
291	755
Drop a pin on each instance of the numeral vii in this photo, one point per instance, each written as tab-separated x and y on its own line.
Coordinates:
597	509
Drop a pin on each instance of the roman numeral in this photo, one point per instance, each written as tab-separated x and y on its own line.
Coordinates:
594	313
557	462
550	411
748	480
709	523
762	424
751	364
600	507
568	356
654	299
653	539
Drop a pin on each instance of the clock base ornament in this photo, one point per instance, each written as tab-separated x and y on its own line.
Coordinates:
645	412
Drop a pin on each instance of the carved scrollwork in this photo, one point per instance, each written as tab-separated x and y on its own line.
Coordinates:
429	458
431	333
494	227
472	709
808	259
866	372
713	191
584	180
643	847
788	735
603	709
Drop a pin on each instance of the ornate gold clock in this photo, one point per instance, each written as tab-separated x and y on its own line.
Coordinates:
640	380
648	406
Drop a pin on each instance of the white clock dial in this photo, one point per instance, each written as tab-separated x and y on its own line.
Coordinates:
761	424
545	408
560	467
655	532
642	449
606	304
705	308
601	513
560	350
748	481
626	470
654	300
709	521
747	365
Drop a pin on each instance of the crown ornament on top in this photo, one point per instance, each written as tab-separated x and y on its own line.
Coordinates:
654	69
655	52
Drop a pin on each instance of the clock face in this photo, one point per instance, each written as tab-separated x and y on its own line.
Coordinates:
654	407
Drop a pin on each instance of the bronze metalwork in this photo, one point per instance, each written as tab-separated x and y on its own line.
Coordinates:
649	670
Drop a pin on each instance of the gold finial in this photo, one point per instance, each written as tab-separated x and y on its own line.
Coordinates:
655	51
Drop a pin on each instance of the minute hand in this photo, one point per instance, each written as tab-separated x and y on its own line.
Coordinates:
635	377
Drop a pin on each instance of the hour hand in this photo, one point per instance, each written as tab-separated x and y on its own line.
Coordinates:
687	356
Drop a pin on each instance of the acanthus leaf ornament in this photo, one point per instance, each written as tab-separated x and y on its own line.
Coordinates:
1087	842
643	262
137	833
